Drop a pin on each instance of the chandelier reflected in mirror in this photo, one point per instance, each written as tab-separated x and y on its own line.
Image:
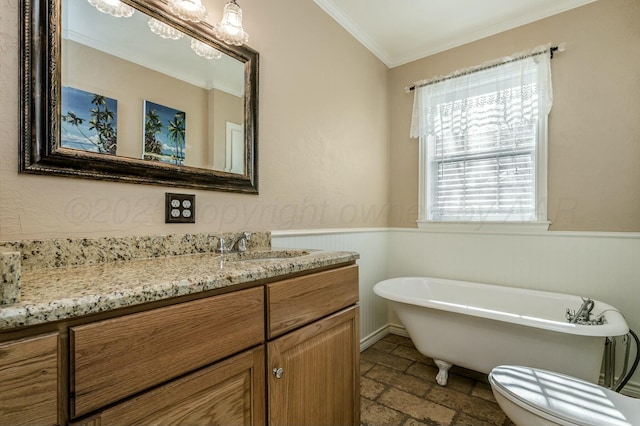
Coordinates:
113	7
164	30
191	10
204	50
229	29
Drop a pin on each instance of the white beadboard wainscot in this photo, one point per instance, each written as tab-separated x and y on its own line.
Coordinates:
371	244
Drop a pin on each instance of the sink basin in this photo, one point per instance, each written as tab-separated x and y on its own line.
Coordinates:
265	256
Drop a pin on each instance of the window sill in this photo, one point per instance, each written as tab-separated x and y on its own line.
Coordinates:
485	227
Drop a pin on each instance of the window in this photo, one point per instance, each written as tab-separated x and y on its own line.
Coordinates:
483	144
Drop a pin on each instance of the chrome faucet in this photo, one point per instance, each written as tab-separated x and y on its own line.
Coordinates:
583	314
238	244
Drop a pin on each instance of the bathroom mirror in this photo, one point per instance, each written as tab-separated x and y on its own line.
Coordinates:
146	98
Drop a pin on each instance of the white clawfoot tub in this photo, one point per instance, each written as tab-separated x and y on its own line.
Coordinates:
481	326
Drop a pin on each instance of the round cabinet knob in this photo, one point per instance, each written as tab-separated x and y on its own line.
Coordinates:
278	372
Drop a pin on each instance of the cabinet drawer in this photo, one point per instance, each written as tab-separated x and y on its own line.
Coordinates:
298	301
29	377
230	392
119	357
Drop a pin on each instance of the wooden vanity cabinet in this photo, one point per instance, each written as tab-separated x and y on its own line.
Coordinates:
29	381
314	370
204	361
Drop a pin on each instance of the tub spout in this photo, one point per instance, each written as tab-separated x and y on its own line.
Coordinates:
583	313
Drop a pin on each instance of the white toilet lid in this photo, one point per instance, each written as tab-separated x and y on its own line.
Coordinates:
563	397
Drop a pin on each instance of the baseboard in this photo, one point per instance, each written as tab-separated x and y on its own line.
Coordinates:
630	389
380	333
398	329
373	337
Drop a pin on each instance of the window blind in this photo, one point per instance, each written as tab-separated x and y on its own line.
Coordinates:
484	165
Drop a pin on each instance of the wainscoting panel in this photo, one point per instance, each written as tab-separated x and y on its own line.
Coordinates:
371	244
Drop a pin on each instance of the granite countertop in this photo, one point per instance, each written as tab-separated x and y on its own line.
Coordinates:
52	294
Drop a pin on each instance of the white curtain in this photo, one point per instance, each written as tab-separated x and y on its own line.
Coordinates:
480	130
517	87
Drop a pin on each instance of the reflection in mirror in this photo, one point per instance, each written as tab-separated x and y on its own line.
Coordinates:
142	97
136	87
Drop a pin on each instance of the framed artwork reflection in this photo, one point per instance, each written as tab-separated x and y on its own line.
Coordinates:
164	133
89	121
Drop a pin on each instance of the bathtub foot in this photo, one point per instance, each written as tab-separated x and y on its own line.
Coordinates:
443	373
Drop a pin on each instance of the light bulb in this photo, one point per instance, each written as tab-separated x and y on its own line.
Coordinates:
229	29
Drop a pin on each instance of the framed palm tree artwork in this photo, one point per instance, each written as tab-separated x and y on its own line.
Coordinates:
164	133
88	121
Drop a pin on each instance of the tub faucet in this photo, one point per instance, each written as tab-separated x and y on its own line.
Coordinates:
583	313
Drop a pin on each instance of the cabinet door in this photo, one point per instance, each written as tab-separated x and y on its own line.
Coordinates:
319	383
117	358
29	381
230	392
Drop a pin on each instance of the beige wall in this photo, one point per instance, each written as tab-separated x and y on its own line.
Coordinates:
131	84
333	132
594	126
224	107
323	134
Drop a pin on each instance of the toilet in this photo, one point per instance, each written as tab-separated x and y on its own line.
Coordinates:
534	397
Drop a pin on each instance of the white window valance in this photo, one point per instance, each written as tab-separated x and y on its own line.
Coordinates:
523	66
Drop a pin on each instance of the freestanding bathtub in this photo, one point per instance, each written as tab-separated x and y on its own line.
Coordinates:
481	326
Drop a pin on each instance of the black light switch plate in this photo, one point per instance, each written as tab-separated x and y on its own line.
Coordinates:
179	208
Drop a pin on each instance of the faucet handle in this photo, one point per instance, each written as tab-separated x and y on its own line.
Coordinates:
242	241
221	244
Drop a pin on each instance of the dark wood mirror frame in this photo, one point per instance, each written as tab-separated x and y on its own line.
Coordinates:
40	150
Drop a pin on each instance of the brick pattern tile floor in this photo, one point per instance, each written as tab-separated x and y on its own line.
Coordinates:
398	387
